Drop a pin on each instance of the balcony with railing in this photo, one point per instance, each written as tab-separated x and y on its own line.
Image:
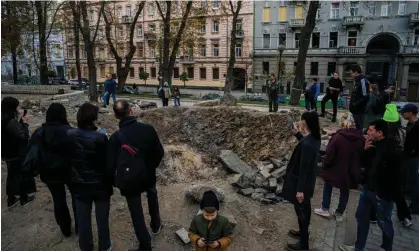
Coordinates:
351	50
126	19
297	23
414	19
100	60
411	49
149	34
240	34
352	21
186	59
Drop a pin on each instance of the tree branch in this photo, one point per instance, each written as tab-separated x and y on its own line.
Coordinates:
53	19
108	34
180	31
131	33
98	21
160	11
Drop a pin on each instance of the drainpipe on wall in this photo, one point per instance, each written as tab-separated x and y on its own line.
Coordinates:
253	51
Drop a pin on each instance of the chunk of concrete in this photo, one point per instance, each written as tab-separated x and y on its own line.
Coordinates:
182	234
276	163
278	173
258	181
266	201
247	191
260	190
268	167
242	181
273	183
257	196
233	163
265	174
279	188
270	196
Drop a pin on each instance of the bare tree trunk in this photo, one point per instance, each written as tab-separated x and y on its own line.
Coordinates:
13	50
41	14
76	32
233	40
302	52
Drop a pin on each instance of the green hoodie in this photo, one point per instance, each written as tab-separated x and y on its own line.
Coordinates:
391	114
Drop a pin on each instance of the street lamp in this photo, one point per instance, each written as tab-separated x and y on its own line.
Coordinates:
281	49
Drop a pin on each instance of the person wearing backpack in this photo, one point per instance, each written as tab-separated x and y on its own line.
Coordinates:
134	153
164	94
375	106
359	96
89	180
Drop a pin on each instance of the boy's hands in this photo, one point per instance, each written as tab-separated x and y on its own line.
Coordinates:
215	244
201	243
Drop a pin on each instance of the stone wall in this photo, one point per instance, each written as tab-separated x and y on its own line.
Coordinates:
34	89
69	100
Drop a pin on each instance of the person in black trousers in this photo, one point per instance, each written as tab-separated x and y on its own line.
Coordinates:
55	166
89	180
14	139
332	93
144	138
300	178
273	91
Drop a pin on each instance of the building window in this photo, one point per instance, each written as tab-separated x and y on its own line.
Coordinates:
203	50
215	50
129	13
386	9
111	70
353	8
121	32
297	40
416	37
152	53
91	16
299	12
152	27
282	39
215	73
352	37
153	72
139	31
282	14
102	71
334	10
371	9
203	28
202	73
238	50
140	50
333	40
190	72
131	72
315	40
239	25
331	68
151	9
314	68
119	12
266	41
402	8
203	4
85	71
265	66
176	72
140	70
266	15
215	26
216	4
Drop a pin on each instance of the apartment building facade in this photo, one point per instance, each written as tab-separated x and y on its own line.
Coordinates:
381	36
205	65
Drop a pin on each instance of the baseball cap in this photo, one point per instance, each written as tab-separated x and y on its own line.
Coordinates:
409	108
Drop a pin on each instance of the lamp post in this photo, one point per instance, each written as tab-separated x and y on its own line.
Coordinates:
281	49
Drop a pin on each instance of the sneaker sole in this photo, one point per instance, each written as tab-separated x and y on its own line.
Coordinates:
326	216
158	232
25	205
14	205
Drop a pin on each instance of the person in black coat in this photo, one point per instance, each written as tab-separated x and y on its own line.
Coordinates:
143	137
55	166
332	93
14	139
89	180
300	178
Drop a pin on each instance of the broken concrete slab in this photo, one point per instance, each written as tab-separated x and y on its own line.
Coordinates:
273	183
242	181
247	191
233	163
257	196
260	190
259	165
265	174
266	201
195	192
270	196
276	162
278	173
279	188
258	181
182	234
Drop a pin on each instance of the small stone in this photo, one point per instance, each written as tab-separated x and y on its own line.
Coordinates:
273	183
270	196
266	201
242	181
247	191
276	163
270	209
268	167
279	188
265	174
258	230
259	165
257	196
260	190
183	235
230	218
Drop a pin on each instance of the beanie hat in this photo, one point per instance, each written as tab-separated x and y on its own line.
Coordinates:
209	199
391	114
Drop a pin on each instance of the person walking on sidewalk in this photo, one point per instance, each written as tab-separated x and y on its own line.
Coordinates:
164	94
136	147
14	139
176	96
382	160
341	165
110	89
273	92
89	179
332	93
55	167
315	90
359	96
411	154
300	177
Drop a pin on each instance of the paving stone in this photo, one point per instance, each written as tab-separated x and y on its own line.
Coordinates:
183	235
247	191
265	174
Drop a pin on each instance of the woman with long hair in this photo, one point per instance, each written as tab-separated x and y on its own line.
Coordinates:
300	178
14	139
89	179
342	165
375	106
55	166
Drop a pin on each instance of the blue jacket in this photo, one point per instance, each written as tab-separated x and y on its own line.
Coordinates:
110	86
315	89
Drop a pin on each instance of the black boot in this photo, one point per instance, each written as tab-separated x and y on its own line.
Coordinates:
12	201
294	234
297	246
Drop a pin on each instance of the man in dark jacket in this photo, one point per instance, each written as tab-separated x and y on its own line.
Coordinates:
273	91
144	138
14	138
332	93
382	160
110	89
359	96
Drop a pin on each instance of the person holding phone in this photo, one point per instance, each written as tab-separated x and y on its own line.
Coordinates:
300	177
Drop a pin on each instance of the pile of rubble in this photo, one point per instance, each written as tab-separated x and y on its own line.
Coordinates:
262	182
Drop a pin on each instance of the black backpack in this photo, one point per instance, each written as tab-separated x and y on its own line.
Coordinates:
160	93
131	172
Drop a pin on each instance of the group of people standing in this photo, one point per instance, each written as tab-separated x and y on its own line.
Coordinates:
165	93
380	161
89	164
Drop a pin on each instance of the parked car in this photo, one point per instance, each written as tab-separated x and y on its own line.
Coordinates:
58	81
74	83
129	90
211	96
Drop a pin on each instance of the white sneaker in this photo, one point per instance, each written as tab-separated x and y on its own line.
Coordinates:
321	212
338	216
407	223
346	248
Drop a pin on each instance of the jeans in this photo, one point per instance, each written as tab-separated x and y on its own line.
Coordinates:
61	212
359	121
368	201
17	183
303	211
84	218
343	198
137	215
273	102
307	104
165	101
411	167
106	98
313	104
334	98
176	100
